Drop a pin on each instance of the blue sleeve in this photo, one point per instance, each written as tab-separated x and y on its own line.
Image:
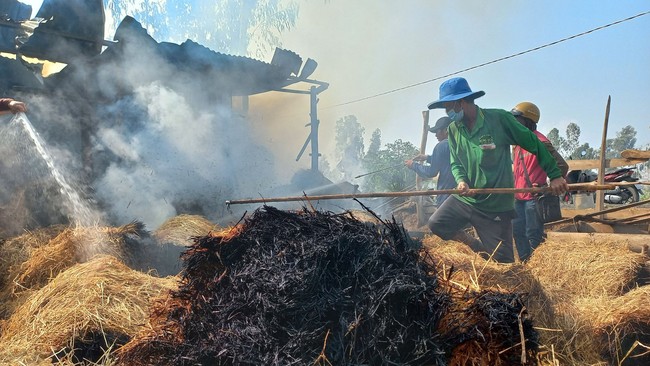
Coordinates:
422	170
439	158
435	160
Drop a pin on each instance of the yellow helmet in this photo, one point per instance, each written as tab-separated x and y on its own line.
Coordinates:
526	109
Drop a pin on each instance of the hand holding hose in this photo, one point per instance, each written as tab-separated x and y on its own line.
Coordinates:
17	107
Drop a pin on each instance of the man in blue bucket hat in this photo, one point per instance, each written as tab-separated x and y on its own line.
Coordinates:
479	146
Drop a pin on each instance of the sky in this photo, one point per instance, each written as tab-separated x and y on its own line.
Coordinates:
368	47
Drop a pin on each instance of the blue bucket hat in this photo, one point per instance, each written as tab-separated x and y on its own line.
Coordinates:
454	89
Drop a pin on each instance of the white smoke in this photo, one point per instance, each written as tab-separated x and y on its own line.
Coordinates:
176	154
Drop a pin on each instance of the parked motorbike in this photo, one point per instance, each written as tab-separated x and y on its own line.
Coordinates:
619	195
622	194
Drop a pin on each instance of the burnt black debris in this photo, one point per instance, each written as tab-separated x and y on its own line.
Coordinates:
317	288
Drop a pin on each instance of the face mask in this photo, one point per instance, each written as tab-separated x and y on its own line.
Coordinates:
455	116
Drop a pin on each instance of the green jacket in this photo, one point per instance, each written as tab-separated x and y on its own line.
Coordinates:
482	158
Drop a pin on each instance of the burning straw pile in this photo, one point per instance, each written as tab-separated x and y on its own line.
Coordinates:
323	289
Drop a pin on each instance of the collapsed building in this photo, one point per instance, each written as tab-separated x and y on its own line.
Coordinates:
94	111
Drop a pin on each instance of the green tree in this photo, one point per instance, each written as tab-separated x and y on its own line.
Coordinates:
625	139
349	147
555	138
572	141
589	153
397	177
375	143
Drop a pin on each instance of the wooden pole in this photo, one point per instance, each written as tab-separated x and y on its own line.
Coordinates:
423	144
419	203
600	198
430	192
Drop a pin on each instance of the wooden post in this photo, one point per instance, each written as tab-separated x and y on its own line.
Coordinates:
423	144
600	198
419	202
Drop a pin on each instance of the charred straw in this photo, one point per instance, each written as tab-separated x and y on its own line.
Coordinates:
317	288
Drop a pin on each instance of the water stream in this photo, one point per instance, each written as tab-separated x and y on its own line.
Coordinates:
80	211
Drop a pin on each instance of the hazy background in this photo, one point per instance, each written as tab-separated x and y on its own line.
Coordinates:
368	47
384	62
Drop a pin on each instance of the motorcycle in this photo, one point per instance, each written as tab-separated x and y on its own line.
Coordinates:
622	194
619	195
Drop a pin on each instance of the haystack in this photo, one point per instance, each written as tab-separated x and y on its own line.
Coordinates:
78	245
573	273
80	314
314	287
581	297
570	270
13	253
179	230
620	326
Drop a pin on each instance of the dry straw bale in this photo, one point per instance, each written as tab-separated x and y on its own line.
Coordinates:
13	253
572	273
180	230
577	269
78	245
620	326
88	301
576	296
560	329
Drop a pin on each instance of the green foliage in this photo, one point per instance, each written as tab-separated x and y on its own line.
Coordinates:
375	142
349	147
571	148
625	139
555	139
398	177
388	172
589	153
572	140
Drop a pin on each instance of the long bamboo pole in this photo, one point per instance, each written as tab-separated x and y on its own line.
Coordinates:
430	192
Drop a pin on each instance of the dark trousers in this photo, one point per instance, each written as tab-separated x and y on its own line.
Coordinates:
493	228
527	227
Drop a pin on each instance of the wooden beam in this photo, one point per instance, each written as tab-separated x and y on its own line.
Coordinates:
423	144
609	163
636	154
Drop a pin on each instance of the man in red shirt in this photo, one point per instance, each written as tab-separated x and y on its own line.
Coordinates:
527	227
13	106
